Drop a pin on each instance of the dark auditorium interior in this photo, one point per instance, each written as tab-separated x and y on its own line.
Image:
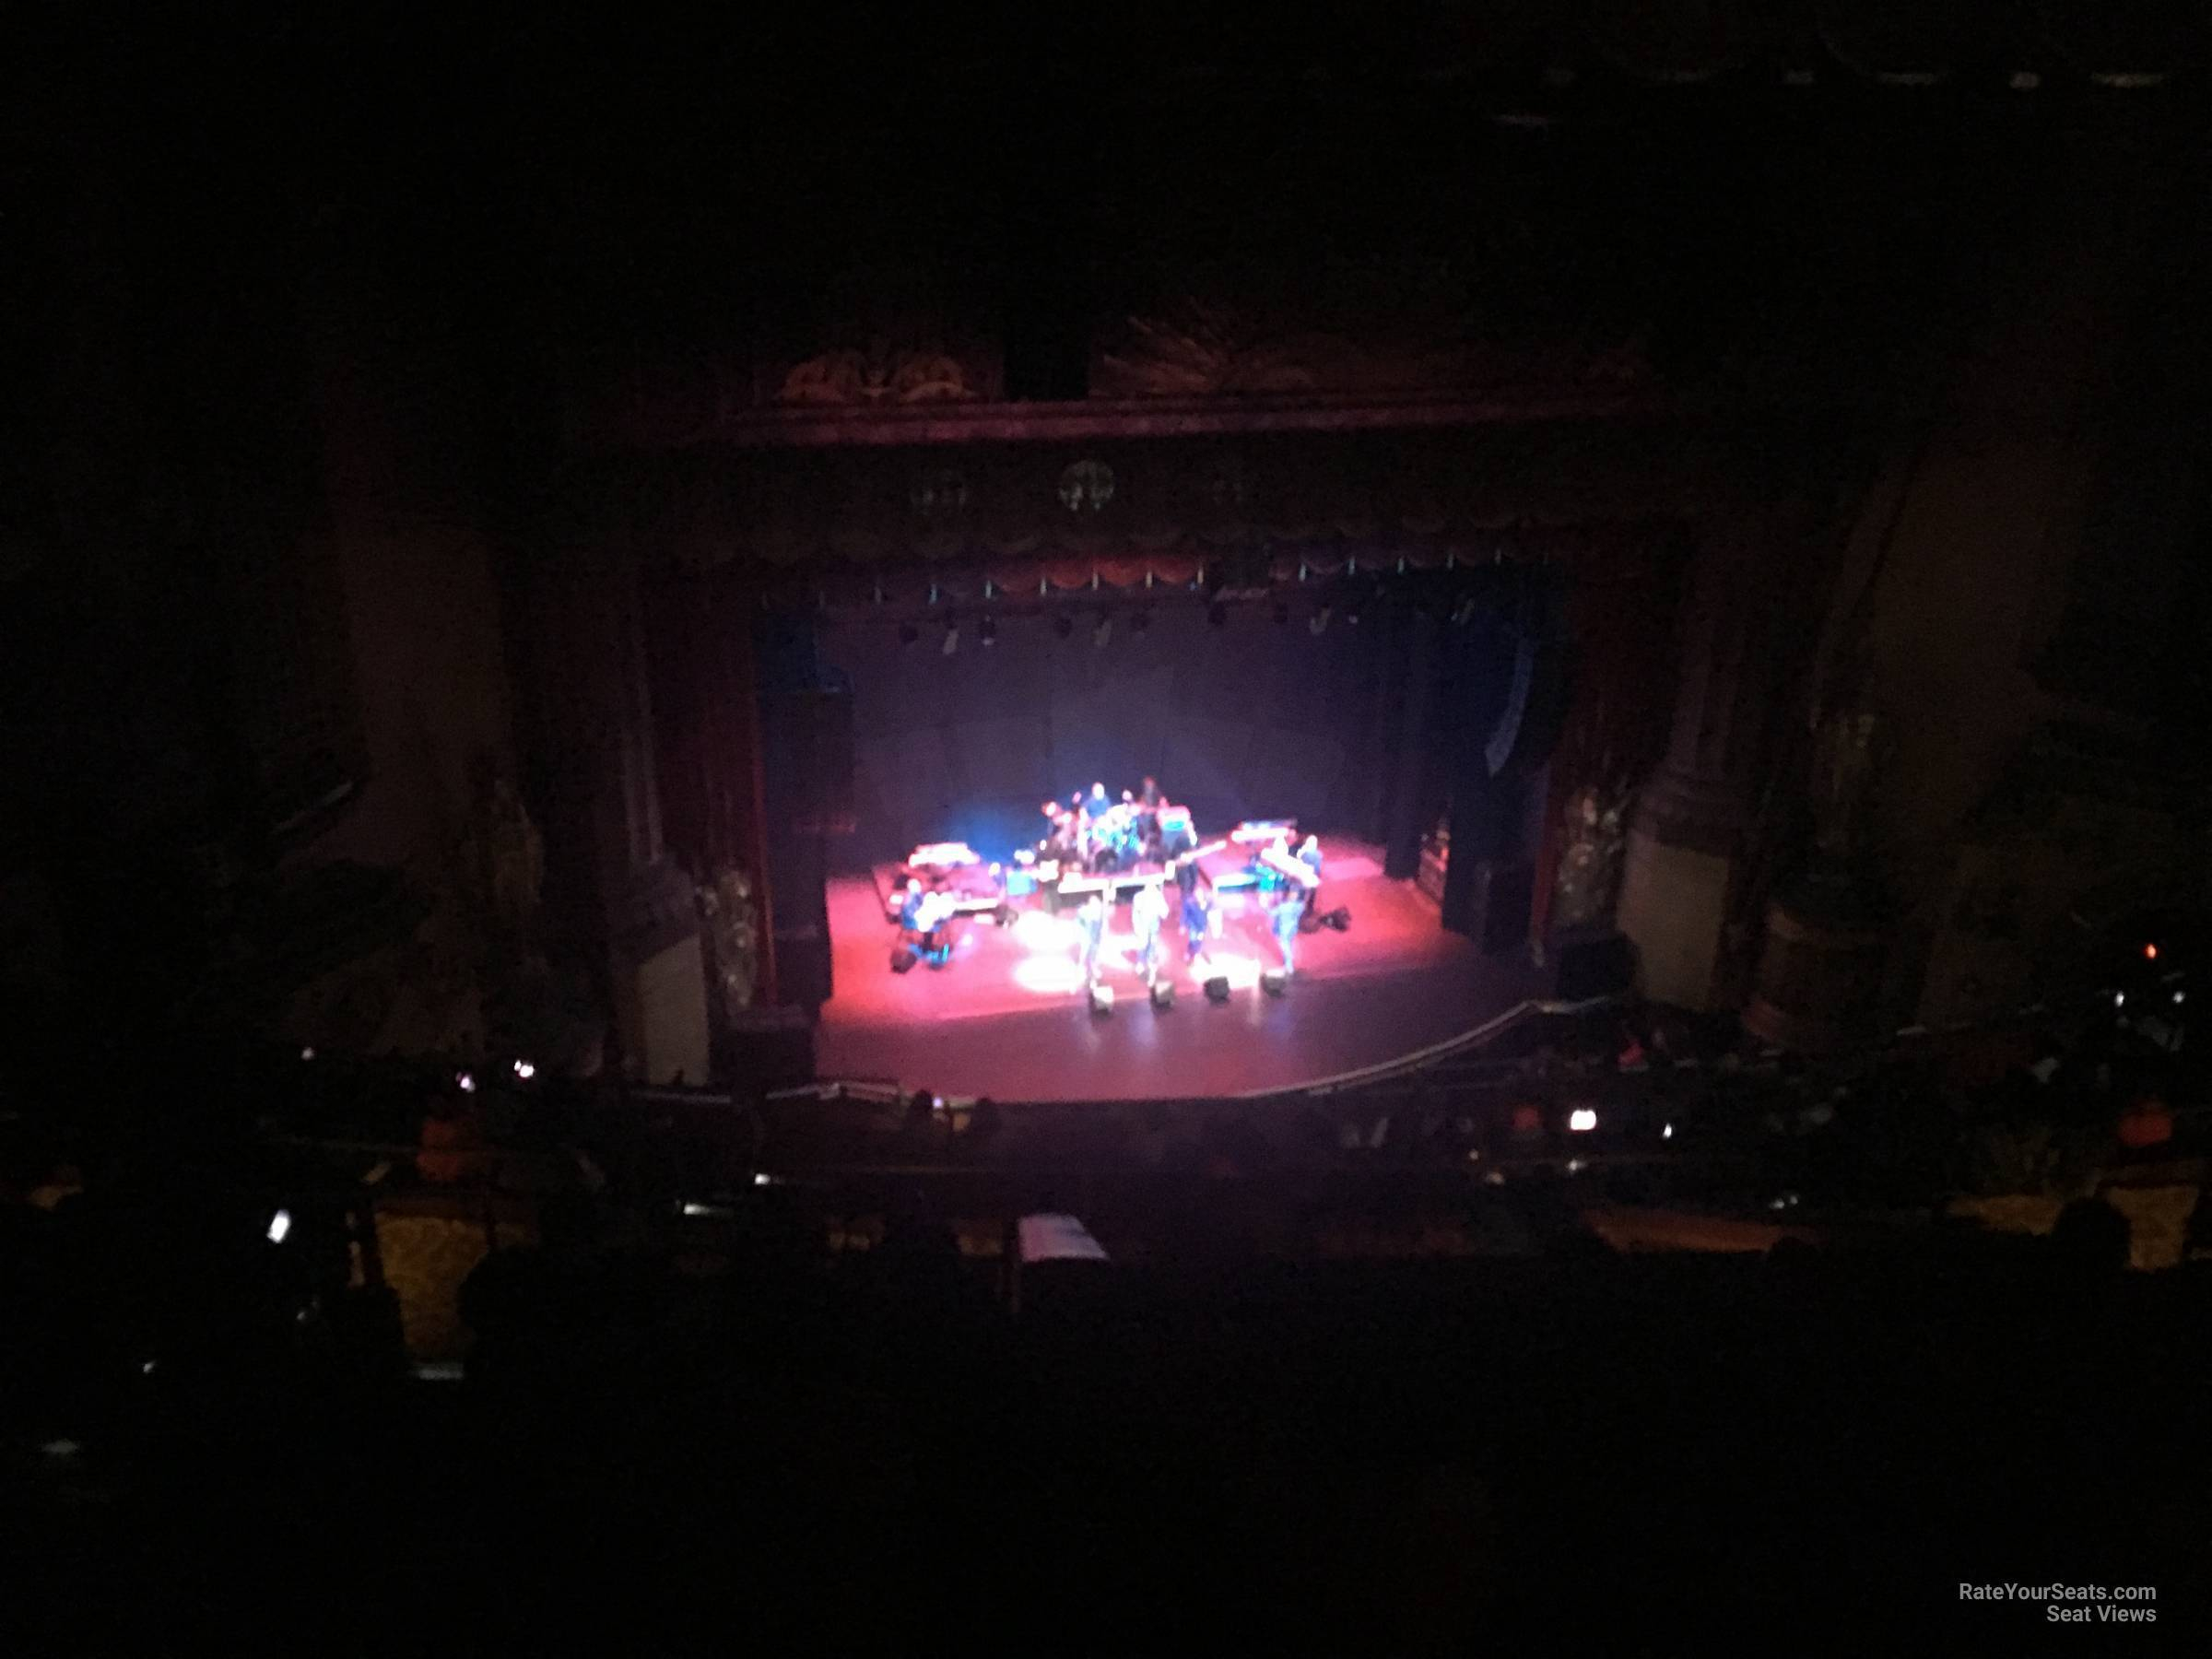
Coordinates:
1149	829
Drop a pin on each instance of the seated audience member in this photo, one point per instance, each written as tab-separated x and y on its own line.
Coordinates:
451	1151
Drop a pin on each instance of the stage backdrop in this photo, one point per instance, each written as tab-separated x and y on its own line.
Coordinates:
1255	718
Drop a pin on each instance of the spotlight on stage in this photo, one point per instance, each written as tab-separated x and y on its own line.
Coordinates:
1163	993
1062	627
1217	988
952	638
1272	981
987	632
1217	614
1101	999
907	633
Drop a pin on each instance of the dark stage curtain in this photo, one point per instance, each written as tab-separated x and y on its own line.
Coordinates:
805	770
1622	620
705	688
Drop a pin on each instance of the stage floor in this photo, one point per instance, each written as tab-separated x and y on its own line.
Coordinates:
1006	1017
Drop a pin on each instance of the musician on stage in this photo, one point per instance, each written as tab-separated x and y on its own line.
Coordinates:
1177	834
1149	797
1199	917
1288	910
1148	913
938	914
1091	920
1059	844
1309	854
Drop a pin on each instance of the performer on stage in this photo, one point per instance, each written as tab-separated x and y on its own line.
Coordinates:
1309	854
1149	795
1288	908
1177	834
1199	917
1059	844
1147	913
1091	920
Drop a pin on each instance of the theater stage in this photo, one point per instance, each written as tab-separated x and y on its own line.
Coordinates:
1006	1017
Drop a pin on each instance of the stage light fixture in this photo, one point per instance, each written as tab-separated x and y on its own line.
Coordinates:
1216	989
1274	980
1582	1120
907	633
1163	993
987	632
952	638
1218	613
1063	626
1101	999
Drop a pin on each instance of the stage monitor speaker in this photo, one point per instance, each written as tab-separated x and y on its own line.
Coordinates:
904	959
1217	988
1593	965
1163	993
1272	981
1101	999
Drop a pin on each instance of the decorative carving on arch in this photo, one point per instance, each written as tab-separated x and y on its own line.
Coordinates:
1383	328
881	373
